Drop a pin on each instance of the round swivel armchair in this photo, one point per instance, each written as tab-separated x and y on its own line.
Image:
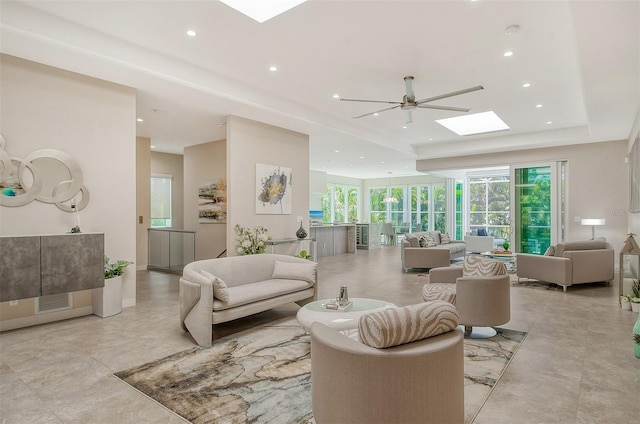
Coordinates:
480	290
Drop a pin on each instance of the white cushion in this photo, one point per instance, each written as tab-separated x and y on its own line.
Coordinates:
255	292
220	290
445	239
393	327
295	271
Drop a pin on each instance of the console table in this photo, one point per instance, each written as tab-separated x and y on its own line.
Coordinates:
312	244
34	266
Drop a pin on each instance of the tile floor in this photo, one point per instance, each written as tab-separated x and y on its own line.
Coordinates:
575	366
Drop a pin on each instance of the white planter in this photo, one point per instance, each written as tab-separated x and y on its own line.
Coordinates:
107	301
635	307
626	306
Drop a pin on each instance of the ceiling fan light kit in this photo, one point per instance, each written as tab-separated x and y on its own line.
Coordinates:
409	102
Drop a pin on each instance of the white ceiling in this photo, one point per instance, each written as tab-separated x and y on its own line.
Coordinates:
580	57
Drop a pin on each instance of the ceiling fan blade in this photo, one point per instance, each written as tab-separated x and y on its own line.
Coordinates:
409	119
455	109
408	83
371	101
453	93
377	111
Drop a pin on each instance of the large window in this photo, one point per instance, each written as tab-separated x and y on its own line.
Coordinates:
378	206
161	201
419	207
422	206
341	203
489	205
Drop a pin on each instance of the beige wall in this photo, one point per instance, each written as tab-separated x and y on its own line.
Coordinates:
251	142
94	122
597	182
203	163
171	164
143	200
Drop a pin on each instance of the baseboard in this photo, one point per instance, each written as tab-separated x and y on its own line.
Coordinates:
141	267
128	302
29	321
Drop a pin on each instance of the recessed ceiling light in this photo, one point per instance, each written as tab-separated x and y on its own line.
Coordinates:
273	68
140	120
404	127
549	122
337	151
526	85
476	123
191	33
361	157
153	147
508	53
430	139
538	106
376	114
336	96
381	161
262	10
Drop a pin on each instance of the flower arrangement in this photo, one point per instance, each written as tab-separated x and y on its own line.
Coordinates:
251	241
304	255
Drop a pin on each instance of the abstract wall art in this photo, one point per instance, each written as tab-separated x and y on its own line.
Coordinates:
212	202
273	189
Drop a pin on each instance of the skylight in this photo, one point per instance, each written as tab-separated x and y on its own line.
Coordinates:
262	10
476	123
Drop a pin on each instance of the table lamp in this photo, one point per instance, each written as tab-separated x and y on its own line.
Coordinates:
593	222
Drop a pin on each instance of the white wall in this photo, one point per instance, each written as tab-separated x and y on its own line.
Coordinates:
143	200
251	142
203	163
94	122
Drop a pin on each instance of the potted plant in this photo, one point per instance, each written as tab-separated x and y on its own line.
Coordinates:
635	304
625	302
304	255
635	299
636	344
107	300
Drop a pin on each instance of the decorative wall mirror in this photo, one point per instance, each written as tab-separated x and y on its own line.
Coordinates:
47	175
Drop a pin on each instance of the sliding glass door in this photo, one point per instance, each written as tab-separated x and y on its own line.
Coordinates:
537	193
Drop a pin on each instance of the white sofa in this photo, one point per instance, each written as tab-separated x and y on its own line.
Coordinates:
440	255
254	283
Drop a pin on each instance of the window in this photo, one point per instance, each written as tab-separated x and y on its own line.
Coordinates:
489	205
419	207
161	201
378	207
341	203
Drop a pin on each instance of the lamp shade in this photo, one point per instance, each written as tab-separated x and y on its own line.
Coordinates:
592	221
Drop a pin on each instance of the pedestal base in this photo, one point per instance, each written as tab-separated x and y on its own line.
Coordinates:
479	332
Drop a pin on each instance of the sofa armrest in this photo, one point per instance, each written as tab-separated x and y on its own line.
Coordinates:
445	274
196	309
591	265
551	269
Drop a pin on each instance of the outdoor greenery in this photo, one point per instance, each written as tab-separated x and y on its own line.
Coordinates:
344	200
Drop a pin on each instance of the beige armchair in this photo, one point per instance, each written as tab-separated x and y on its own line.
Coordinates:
572	263
481	294
418	382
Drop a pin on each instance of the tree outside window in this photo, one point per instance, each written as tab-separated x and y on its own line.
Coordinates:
378	208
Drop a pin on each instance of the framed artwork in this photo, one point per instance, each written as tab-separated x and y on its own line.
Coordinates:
273	189
212	202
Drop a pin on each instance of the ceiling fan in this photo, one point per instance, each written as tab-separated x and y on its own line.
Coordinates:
409	102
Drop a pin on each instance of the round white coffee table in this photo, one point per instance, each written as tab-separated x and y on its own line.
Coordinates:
340	320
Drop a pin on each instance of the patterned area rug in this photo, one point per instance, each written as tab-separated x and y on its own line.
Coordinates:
263	375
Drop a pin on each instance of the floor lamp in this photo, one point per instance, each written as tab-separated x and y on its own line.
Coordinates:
593	222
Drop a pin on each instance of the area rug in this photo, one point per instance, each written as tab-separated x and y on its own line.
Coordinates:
263	375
